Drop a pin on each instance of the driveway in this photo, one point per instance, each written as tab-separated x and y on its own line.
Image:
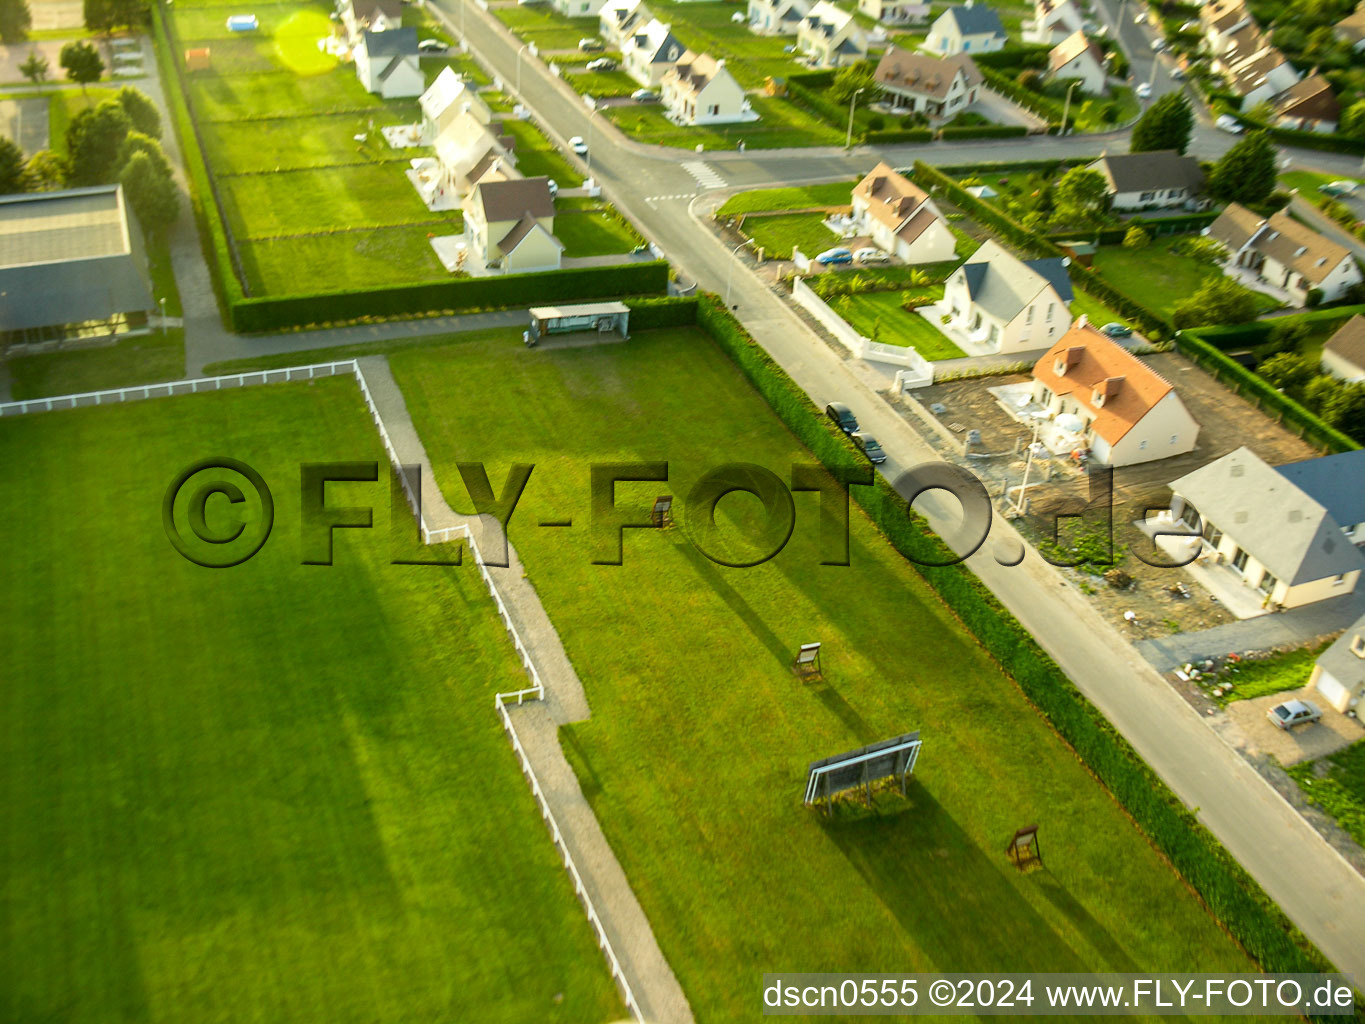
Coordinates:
1248	728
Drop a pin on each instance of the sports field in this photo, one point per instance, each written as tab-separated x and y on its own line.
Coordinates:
269	793
695	756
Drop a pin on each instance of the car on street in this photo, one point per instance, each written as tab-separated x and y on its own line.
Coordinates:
870	255
645	96
1293	712
1228	123
1117	330
578	145
1144	91
431	46
867	444
842	416
602	64
1140	18
834	257
590	45
1158	45
1178	74
1339	188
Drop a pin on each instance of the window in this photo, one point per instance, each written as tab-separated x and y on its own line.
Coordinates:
1051	308
995	332
1175	438
1267	585
1028	317
714	109
1350	531
1239	560
1142	445
1047	396
1338	580
1147	197
1358	645
1212	534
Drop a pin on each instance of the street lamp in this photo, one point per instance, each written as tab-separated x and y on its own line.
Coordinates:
519	53
1066	109
848	139
729	277
590	120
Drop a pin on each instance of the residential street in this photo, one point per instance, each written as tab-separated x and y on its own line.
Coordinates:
1314	885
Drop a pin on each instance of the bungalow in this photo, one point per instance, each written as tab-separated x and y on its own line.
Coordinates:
1284	254
1131	413
1144	181
578	8
1008	304
387	63
928	85
970	28
900	218
619	18
511	223
650	52
1077	57
700	90
1255	70
1343	355
830	36
1351	29
1053	21
1220	20
777	17
375	15
1308	105
895	12
1287	532
465	152
445	99
1339	673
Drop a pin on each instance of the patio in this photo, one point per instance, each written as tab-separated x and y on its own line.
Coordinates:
1248	278
1017	400
1218	578
425	175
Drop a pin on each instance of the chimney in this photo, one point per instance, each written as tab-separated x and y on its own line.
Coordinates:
1083	320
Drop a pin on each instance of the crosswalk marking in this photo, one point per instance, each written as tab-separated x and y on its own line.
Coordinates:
706	175
680	195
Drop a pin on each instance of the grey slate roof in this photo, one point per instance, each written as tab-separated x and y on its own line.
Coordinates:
396	42
1146	172
1343	664
1336	482
976	20
1270	517
1002	285
1054	270
510	200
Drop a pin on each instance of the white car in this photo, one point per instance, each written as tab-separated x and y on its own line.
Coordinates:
578	145
1144	91
1293	712
431	46
602	64
1228	123
1140	19
870	255
1158	45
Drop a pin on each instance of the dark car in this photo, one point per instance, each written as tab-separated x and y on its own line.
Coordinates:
842	416
867	444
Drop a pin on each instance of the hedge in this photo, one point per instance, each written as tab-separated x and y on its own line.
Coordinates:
984	131
1018	166
1153	225
1043	106
662	311
1231	894
1030	56
266	314
1236	336
892	136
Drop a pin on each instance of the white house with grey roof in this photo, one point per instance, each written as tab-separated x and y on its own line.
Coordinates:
831	37
1343	354
970	28
619	18
447	98
1053	21
651	52
1004	304
1339	673
71	257
1289	532
1147	181
388	63
777	17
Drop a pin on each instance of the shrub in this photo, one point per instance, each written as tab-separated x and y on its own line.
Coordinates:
1136	238
1313	298
1219	300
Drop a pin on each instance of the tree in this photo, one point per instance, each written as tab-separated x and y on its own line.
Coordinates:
1345	410
46	171
1030	79
94	139
128	13
1246	172
82	62
12	172
1287	336
14	21
1288	371
1319	393
849	80
151	193
141	111
1217	301
34	67
1081	193
1353	120
136	142
1166	125
99	16
1136	238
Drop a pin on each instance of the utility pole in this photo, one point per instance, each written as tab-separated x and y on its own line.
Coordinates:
848	139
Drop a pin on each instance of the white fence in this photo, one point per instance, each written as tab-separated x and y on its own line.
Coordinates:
920	372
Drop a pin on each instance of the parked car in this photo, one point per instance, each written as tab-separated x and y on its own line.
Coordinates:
870	255
1178	74
1158	45
789	48
1144	91
834	257
1140	18
588	45
1293	712
867	444
1228	123
1339	188
1117	330
645	96
553	187
739	17
602	64
578	145
842	416
432	46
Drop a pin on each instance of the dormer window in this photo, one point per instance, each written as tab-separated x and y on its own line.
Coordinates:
1300	251
1059	367
1322	261
1097	398
1358	645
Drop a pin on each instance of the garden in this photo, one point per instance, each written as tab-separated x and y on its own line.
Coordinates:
1166	272
1336	784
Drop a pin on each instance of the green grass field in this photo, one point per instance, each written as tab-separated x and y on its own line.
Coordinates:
273	792
1340	789
1158	277
537	156
778	233
546	27
295	266
765	200
781	124
293	143
879	316
695	756
1287	671
595	234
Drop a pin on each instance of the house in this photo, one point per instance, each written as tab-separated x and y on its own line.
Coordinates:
466	151
387	63
1145	181
928	85
375	15
619	18
1284	254
1308	105
67	258
700	90
1007	304
1131	413
830	36
1053	21
1343	355
650	52
969	28
895	12
900	218
513	222
777	17
1220	20
1077	57
578	8
446	98
1351	29
1255	70
1339	673
1286	532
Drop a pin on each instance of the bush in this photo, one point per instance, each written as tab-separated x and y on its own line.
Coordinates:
1219	300
1136	238
888	138
1313	298
984	131
876	123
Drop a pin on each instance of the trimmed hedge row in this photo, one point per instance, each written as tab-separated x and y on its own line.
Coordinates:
1044	106
1231	894
267	313
1029	56
983	131
1233	336
1155	225
662	311
1019	166
892	136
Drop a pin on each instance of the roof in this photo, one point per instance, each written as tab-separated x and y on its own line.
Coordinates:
465	142
395	42
1310	98
49	227
1299	247
583	309
694	71
892	198
1349	341
902	71
528	225
1145	172
510	200
366	10
1342	663
1222	15
1072	47
1275	522
1352	27
1003	285
1092	361
1336	482
658	41
397	62
444	91
973	19
1235	226
833	19
1250	74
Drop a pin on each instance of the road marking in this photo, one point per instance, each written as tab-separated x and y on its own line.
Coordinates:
661	199
706	175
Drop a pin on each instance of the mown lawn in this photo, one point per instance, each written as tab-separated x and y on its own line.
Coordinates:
1340	790
344	259
879	316
600	83
1098	312
781	124
695	756
1287	671
1158	277
272	792
763	200
292	143
232	97
546	27
707	28
595	234
778	233
537	156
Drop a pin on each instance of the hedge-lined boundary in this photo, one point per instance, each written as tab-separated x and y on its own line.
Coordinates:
982	131
1231	336
1232	896
1179	225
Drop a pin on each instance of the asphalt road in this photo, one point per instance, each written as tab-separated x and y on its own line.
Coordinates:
1323	895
